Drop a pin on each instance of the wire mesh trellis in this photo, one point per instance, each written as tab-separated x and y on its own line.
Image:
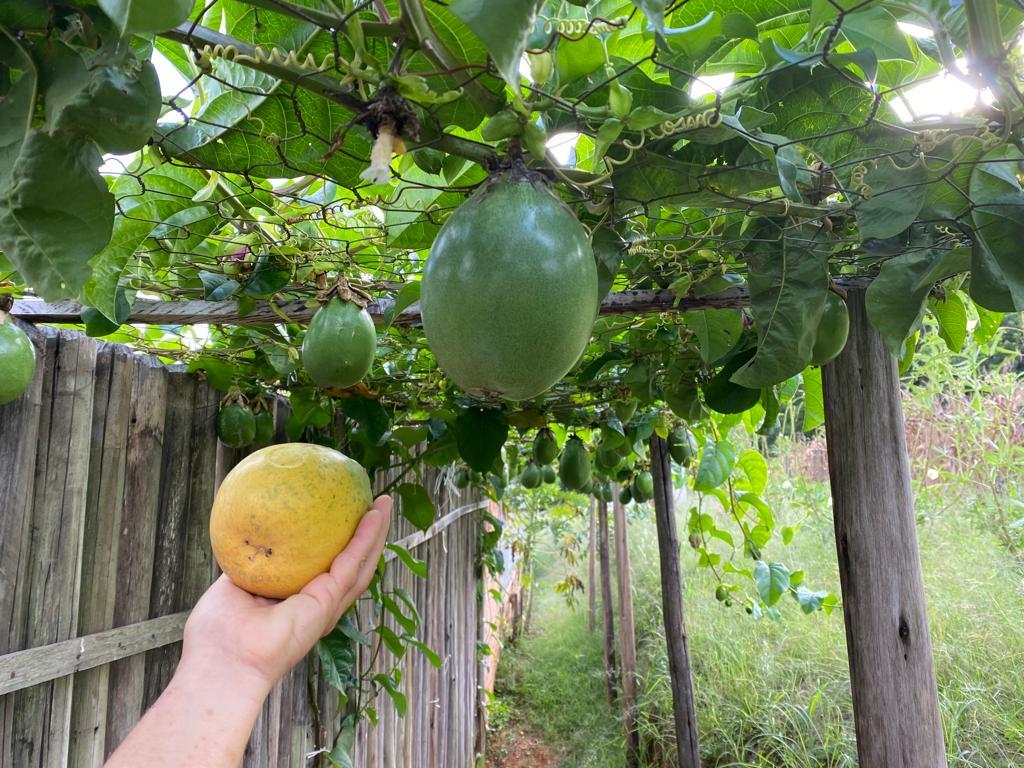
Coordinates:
252	183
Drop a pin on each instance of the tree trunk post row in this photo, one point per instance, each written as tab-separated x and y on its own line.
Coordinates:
687	744
895	702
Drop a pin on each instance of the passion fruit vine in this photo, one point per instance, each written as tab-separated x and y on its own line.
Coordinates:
509	290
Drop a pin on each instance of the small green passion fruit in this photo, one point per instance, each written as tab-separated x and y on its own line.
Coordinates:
17	360
833	330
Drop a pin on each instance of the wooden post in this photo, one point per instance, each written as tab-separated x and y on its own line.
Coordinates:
687	745
627	634
895	702
591	575
607	610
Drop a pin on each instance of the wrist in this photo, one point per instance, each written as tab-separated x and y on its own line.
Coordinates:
205	669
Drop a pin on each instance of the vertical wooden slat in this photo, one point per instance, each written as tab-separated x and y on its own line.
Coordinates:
680	679
111	406
42	719
607	609
200	567
171	527
591	569
138	539
895	701
627	634
19	437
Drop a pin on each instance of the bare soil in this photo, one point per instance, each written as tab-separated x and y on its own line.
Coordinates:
514	746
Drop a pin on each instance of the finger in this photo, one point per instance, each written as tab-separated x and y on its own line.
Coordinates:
369	559
329	590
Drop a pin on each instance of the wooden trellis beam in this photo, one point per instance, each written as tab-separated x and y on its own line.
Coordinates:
634	302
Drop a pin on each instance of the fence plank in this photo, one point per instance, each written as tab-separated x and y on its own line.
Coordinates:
169	560
42	719
200	567
111	407
138	539
23	669
20	428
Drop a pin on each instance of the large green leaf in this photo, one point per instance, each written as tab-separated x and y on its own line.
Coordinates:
999	228
110	96
772	581
876	29
897	193
896	297
142	17
716	464
480	433
55	212
717	331
503	26
416	505
788	280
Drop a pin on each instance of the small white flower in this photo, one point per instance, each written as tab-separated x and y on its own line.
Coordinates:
379	171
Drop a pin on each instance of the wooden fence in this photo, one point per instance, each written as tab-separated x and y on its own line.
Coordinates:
108	467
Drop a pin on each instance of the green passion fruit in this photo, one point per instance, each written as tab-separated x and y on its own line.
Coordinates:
531	477
682	446
545	447
236	425
833	329
17	360
339	346
574	465
548	474
509	290
461	478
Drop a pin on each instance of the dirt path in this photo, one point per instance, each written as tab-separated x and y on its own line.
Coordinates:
513	746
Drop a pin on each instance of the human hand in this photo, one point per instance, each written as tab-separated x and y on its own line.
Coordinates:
258	639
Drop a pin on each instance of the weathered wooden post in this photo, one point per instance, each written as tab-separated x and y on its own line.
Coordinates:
687	744
895	702
607	609
591	571
627	634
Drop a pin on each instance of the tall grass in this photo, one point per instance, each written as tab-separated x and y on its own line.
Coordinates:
778	694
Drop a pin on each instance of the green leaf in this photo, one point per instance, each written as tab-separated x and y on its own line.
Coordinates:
369	413
772	581
503	26
998	271
988	324
418	567
143	17
896	198
480	433
810	601
416	505
717	331
876	28
755	468
716	464
788	280
951	313
814	400
217	286
55	209
408	295
896	297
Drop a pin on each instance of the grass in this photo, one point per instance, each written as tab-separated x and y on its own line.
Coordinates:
778	694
